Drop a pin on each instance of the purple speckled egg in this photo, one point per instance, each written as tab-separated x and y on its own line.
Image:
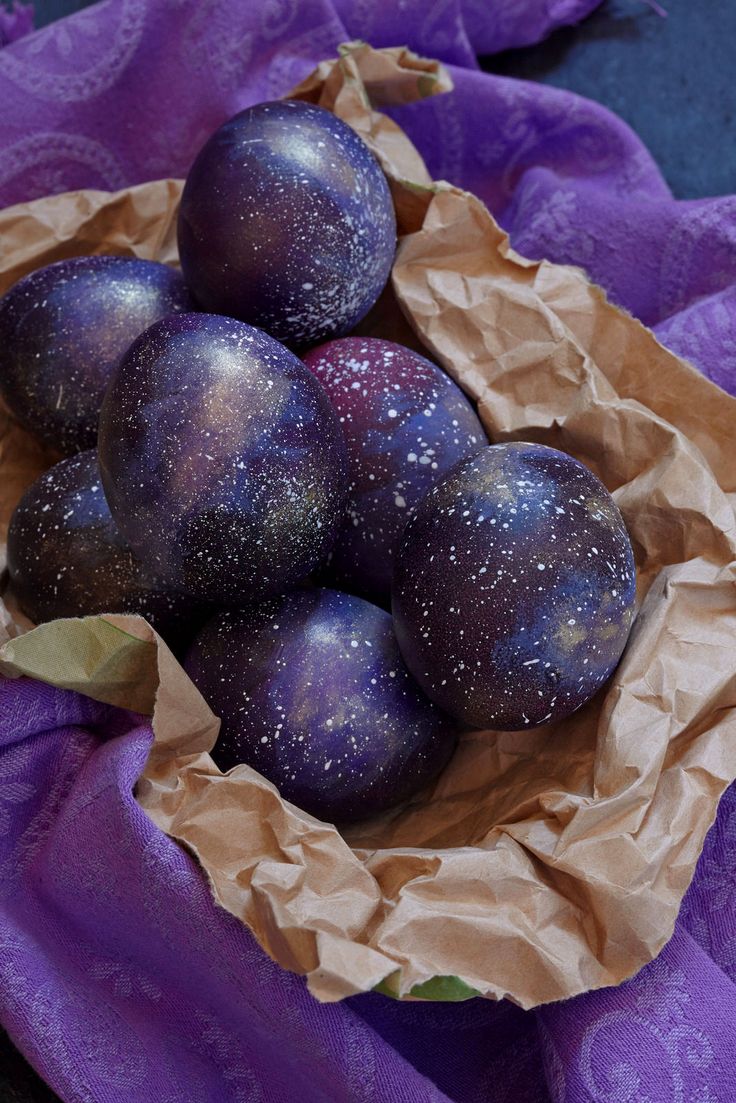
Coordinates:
406	424
514	588
312	692
287	222
62	331
222	459
66	557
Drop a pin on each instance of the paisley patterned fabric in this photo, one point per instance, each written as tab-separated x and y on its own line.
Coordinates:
119	977
121	980
128	90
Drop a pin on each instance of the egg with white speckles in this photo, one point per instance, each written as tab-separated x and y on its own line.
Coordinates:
287	222
514	588
406	424
222	459
312	692
63	329
66	557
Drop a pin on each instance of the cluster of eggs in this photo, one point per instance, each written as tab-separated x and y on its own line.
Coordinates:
234	460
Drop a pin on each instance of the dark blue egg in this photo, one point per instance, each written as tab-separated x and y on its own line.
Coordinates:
66	557
62	331
222	459
406	424
514	588
312	692
287	222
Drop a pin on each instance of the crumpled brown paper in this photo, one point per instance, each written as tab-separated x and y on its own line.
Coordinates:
542	863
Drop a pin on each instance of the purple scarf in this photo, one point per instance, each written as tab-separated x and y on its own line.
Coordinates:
119	978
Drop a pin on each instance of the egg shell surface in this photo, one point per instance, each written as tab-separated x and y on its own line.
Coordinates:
313	693
406	424
222	459
63	329
514	588
66	557
287	222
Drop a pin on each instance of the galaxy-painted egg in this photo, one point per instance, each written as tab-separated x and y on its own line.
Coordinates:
62	331
312	692
406	424
66	557
222	459
514	588
287	222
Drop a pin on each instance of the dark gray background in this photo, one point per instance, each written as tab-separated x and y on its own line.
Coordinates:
671	79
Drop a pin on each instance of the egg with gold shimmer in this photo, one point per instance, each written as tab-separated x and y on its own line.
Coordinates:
222	459
514	588
313	693
63	329
66	557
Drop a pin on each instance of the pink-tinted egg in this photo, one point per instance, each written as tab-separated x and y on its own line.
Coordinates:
406	424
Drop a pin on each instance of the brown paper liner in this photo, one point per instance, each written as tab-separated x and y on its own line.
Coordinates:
541	864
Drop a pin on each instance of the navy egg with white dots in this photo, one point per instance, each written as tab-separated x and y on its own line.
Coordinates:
313	693
514	588
287	222
63	329
66	557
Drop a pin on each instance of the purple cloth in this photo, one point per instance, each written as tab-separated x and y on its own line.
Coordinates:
119	978
15	22
128	90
